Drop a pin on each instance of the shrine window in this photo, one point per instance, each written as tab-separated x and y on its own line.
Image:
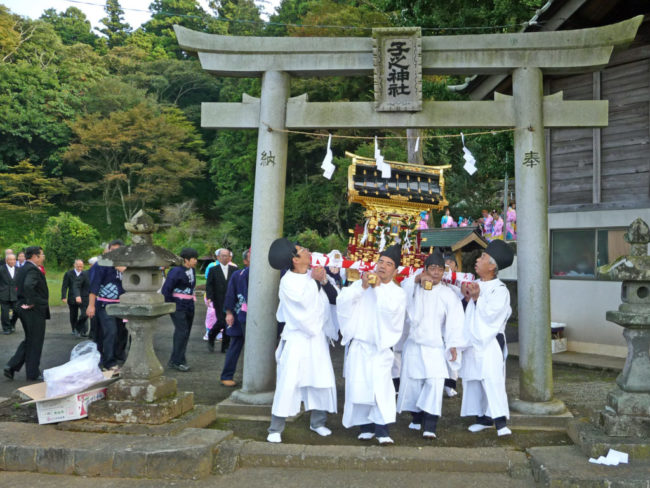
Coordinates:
577	253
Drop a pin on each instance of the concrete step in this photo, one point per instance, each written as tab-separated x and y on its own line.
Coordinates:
279	477
568	467
252	454
558	423
44	449
594	442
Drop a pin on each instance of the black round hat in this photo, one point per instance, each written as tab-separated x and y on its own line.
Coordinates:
189	253
501	252
435	258
281	252
395	253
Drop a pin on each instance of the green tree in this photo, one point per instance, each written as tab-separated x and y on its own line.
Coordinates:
242	17
13	33
138	157
67	238
26	188
353	20
159	32
462	16
72	26
41	84
288	12
115	29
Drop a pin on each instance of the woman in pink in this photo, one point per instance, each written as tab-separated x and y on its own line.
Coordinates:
497	230
511	223
487	224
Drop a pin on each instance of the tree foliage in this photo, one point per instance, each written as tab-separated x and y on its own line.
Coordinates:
72	26
137	158
68	238
26	188
115	29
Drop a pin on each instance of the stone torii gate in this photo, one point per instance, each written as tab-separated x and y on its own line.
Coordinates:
398	58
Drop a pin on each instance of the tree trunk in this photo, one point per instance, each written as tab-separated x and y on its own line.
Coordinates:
106	206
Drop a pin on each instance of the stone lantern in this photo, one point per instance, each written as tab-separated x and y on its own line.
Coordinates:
142	395
627	412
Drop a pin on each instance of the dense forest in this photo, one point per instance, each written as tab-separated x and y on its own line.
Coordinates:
96	124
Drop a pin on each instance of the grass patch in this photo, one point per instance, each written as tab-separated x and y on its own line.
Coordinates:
54	279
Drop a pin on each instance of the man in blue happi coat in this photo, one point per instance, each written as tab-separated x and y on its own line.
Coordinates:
236	306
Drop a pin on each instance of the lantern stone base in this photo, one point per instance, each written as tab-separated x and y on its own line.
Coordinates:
137	390
626	414
133	411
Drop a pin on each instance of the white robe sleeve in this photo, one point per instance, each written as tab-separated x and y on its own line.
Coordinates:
488	314
347	305
454	321
301	305
391	311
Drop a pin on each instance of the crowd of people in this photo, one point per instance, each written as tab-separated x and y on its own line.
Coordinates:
404	344
419	336
24	295
492	223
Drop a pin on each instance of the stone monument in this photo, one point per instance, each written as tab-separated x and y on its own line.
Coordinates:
624	424
142	395
627	412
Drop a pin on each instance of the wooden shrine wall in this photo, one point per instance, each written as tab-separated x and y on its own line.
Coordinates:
612	164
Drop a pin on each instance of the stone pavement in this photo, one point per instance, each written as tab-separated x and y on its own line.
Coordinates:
276	477
234	451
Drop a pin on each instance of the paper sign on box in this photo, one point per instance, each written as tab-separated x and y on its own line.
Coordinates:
72	407
65	407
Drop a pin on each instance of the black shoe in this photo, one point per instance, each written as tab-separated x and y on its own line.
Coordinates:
211	346
38	378
179	367
83	334
9	373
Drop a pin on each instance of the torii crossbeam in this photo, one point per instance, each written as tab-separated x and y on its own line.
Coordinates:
525	56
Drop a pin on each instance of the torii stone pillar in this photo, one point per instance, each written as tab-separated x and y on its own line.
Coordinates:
268	212
525	55
536	377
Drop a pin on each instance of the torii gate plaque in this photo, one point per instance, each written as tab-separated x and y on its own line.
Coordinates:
525	56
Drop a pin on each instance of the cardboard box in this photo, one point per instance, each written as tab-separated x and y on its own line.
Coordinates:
65	407
558	345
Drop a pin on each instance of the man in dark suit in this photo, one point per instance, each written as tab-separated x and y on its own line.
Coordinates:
8	294
34	310
215	290
74	292
4	258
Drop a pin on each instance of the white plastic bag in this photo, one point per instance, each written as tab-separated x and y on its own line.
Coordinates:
85	347
77	374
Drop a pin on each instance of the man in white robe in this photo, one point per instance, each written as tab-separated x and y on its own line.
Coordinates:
484	369
435	320
371	317
304	368
451	266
